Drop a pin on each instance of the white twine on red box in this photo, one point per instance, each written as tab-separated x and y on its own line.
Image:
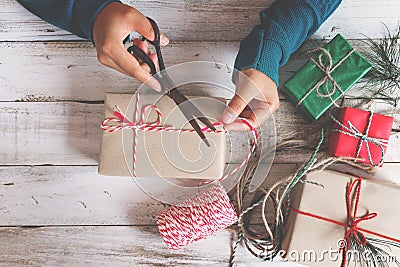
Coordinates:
204	213
364	137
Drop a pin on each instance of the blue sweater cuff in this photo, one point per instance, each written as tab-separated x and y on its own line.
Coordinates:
285	25
259	52
86	12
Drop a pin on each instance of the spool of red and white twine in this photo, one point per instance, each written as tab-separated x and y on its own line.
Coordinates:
204	213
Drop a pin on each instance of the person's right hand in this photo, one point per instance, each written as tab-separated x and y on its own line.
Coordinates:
255	99
111	26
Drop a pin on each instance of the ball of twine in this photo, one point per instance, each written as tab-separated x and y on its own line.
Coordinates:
196	218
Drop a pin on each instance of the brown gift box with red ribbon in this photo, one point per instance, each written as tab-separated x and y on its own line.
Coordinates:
360	134
331	211
167	154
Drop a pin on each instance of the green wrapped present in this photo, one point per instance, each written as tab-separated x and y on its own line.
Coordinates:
326	77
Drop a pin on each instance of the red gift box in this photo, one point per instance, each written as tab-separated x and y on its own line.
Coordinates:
360	134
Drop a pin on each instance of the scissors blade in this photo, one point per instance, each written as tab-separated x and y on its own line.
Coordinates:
186	108
179	98
190	111
207	123
197	128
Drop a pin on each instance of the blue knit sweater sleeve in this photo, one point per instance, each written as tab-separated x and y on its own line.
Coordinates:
285	25
76	16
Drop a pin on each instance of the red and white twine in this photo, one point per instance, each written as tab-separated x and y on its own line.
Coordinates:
196	218
204	213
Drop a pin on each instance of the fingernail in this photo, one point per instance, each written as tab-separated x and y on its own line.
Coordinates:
228	117
164	40
155	85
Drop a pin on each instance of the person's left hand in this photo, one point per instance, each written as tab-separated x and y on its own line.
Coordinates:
255	98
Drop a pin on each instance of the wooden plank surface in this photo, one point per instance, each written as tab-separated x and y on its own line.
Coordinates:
50	133
54	71
68	133
209	20
109	246
50	111
70	70
75	244
32	196
115	246
114	242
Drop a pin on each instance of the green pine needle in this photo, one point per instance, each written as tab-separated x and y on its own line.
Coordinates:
372	254
383	81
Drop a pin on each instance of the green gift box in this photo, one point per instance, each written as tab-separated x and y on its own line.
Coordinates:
326	77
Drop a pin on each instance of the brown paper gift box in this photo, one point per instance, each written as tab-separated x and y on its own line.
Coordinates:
305	235
162	154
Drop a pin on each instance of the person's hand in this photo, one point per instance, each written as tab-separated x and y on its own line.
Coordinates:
256	95
112	25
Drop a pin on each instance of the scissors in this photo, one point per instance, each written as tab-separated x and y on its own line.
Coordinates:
189	110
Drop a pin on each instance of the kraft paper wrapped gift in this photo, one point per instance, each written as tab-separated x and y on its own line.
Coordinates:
162	154
306	234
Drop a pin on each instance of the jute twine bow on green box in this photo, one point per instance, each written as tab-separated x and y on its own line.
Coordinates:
327	78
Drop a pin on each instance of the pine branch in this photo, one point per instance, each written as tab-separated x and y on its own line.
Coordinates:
383	81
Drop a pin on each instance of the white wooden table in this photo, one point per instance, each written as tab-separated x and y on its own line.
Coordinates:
55	210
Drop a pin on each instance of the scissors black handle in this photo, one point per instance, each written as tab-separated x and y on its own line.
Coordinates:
190	111
137	52
157	43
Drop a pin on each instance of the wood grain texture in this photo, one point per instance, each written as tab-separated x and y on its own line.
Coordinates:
60	71
68	133
109	246
33	196
68	215
50	133
70	70
115	246
203	20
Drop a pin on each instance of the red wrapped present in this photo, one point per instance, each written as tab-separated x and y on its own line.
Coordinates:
360	134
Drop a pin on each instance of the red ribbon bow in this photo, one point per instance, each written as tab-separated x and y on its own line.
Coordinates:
353	192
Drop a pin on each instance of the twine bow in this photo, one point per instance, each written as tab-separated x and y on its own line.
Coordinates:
204	213
352	131
122	122
327	78
353	231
